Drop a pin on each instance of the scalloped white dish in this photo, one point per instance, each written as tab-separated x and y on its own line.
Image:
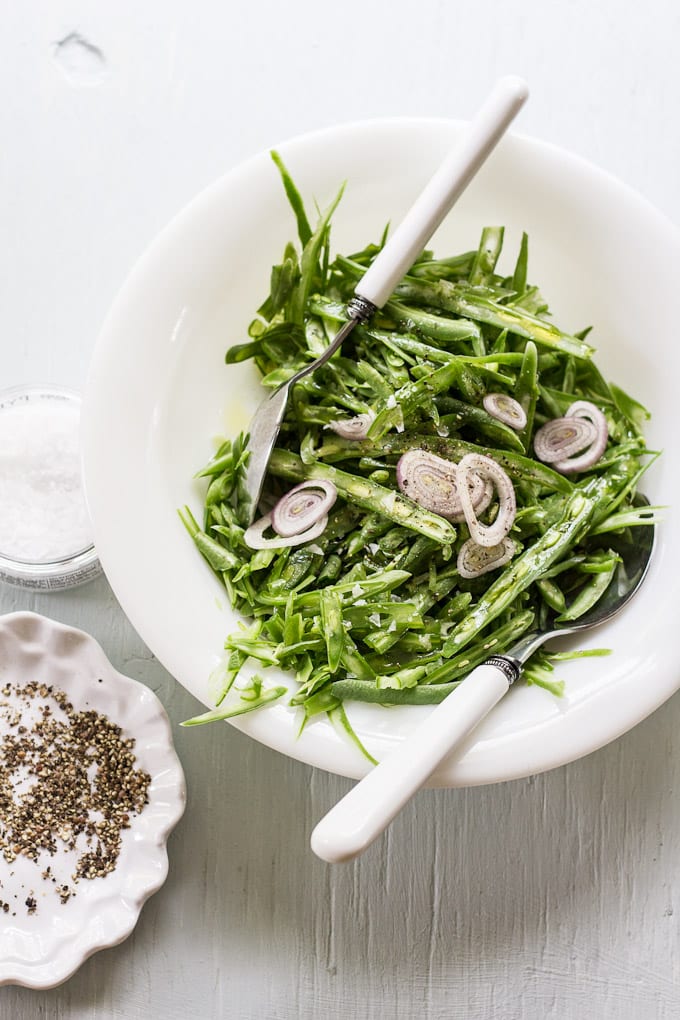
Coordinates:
601	255
42	947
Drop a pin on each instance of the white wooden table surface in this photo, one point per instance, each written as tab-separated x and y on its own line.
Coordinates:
552	897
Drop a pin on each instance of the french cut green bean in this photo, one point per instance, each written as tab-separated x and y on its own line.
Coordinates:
376	609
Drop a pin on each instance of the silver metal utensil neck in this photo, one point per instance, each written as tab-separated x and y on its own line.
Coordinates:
509	667
360	308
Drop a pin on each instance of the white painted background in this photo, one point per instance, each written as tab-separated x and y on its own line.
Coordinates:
553	897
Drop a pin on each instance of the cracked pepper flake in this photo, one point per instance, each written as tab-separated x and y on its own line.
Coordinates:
68	786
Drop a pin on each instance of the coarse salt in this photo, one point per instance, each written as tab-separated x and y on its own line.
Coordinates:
43	515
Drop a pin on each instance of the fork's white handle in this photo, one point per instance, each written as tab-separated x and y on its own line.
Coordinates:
449	182
355	821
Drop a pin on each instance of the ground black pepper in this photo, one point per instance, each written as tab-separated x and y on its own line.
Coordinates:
68	782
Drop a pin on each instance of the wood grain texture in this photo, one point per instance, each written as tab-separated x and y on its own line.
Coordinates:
549	898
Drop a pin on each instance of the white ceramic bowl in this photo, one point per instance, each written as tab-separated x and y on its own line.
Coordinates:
42	949
159	392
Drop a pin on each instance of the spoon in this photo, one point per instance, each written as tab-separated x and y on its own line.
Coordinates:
394	260
355	821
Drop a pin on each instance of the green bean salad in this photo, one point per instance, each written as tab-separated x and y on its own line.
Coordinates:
458	473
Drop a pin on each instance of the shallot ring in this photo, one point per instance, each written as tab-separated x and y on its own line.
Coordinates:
432	482
505	409
487	557
254	536
561	438
575	442
428	480
486	467
481	491
301	507
355	428
584	410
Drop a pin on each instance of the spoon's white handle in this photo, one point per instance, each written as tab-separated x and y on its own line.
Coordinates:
355	821
449	182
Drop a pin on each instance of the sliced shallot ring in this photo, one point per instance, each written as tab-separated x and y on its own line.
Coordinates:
254	536
561	438
584	410
432	482
353	428
475	560
428	480
486	467
481	490
505	409
302	506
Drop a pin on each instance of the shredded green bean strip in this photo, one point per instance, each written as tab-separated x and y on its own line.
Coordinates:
374	609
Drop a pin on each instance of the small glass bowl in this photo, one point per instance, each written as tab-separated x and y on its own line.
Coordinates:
58	559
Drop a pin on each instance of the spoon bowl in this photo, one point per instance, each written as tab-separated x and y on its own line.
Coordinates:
635	559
